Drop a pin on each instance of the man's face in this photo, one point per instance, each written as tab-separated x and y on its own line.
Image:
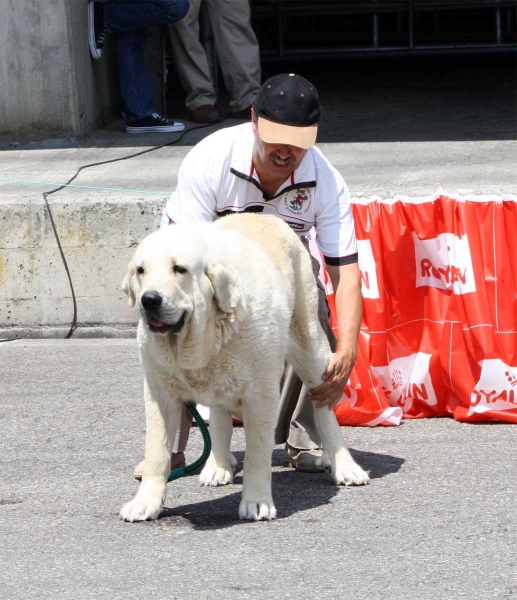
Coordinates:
279	160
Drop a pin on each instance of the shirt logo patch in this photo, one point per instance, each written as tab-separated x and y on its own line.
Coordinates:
297	202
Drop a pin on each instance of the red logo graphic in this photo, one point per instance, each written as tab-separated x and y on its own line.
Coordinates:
490	397
495	389
396	379
450	274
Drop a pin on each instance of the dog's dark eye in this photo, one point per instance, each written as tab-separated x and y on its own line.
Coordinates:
140	270
178	269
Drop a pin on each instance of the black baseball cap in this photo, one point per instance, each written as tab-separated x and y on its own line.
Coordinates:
288	111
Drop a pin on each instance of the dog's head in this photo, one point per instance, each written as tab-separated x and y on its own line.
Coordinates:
181	286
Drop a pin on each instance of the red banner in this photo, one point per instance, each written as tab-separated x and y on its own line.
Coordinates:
439	333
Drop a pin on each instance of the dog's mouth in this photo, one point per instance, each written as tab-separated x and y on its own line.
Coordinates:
157	326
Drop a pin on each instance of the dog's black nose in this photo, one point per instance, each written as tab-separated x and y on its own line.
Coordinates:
151	300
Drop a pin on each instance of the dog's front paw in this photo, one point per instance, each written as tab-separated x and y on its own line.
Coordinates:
348	472
257	510
140	510
218	474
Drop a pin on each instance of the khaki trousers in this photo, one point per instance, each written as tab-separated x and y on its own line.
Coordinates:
237	52
295	423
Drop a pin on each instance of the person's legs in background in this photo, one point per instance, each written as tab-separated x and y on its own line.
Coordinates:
135	84
129	22
124	15
192	66
237	51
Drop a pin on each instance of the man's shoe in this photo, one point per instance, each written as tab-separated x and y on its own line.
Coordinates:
245	113
308	461
154	123
96	30
177	461
205	114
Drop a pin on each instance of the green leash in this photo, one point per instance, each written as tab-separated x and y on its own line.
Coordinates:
177	473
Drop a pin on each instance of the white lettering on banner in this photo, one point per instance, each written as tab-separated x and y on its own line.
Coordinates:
496	388
407	379
369	286
444	262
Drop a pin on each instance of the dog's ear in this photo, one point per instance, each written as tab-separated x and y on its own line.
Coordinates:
226	286
128	285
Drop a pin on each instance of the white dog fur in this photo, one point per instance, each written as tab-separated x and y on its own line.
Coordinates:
227	303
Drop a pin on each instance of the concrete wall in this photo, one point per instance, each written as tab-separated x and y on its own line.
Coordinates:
48	81
98	239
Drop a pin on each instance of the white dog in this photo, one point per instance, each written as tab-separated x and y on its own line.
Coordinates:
223	305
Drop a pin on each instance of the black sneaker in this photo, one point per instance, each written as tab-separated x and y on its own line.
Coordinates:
96	30
154	123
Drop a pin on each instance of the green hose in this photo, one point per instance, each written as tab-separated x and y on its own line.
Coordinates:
177	473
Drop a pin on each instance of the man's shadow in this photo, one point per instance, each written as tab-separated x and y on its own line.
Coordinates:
293	492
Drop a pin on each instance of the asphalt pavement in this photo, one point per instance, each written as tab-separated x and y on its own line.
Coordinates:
437	522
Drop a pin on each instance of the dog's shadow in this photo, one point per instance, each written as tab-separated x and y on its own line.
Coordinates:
293	492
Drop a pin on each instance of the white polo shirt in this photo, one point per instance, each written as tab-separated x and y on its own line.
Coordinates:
217	178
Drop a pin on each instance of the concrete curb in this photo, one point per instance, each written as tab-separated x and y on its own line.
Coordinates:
98	239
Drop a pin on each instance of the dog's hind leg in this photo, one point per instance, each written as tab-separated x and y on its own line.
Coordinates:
221	463
344	469
163	415
309	353
310	357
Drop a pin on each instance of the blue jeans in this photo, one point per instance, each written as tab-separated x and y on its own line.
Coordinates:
129	20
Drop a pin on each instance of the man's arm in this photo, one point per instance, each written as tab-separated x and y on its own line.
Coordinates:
194	199
346	281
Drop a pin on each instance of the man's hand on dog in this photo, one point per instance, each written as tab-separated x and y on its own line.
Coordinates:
334	379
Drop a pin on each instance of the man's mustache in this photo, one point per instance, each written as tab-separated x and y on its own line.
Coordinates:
274	156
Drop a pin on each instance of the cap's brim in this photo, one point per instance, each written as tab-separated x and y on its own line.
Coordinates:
276	133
